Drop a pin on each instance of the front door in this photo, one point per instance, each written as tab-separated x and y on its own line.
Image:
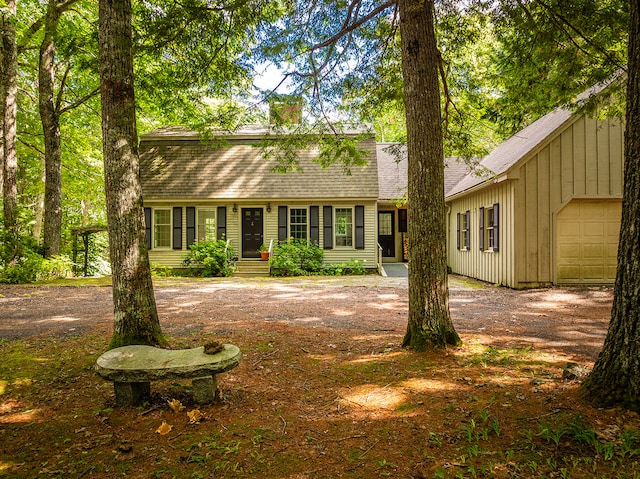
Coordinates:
386	237
251	232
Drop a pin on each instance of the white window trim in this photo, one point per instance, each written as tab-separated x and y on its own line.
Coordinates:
215	219
335	227
307	231
153	229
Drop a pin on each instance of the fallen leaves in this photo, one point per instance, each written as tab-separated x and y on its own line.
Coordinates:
195	416
164	428
176	405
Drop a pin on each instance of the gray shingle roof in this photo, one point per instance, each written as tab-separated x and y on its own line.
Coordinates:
393	174
517	147
176	164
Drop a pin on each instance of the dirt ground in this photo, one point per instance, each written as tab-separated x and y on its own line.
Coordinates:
324	389
571	320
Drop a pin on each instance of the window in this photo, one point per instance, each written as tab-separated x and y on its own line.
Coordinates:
463	237
385	223
344	227
162	228
298	223
206	225
489	228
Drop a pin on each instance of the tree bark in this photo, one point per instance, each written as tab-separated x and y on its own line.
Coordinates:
10	91
615	378
135	315
50	119
429	324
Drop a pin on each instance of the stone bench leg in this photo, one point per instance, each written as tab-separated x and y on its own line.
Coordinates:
131	394
204	389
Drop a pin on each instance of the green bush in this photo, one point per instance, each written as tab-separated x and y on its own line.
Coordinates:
31	267
350	267
296	258
210	258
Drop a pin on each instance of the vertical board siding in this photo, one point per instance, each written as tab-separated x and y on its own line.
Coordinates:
584	160
616	145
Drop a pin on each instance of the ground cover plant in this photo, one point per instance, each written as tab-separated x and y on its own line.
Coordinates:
323	390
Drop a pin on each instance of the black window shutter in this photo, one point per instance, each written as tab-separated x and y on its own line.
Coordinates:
402	221
468	236
222	222
191	225
359	227
147	227
314	224
327	213
282	223
177	227
496	229
481	237
458	231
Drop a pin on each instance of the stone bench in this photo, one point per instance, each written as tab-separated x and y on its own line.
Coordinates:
132	368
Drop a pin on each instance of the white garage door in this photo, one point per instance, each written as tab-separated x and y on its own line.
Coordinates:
587	242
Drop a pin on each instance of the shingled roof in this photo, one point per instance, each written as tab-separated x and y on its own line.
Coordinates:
176	164
393	172
522	144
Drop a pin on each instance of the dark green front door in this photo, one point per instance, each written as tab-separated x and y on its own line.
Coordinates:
252	231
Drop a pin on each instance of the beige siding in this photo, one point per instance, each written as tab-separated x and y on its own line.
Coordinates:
587	241
584	161
494	267
174	258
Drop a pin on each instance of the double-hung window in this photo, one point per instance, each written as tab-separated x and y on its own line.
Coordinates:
464	237
162	228
206	224
489	234
344	226
298	223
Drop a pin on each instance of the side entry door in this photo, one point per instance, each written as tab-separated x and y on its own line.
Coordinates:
386	237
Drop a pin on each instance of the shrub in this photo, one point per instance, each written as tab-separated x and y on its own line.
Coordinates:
296	258
350	267
211	258
31	267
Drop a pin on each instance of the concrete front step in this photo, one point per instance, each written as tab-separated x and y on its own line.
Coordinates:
250	269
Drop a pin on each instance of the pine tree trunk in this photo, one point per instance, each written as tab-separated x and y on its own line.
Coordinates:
10	91
429	322
135	316
615	379
50	119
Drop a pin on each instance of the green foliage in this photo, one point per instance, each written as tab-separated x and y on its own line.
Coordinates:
301	258
211	258
296	258
351	267
29	266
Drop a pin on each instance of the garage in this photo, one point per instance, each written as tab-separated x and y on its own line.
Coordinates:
587	242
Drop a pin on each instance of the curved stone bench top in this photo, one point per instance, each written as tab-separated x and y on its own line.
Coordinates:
146	363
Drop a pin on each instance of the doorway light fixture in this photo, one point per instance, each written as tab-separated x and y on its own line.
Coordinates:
268	207
235	208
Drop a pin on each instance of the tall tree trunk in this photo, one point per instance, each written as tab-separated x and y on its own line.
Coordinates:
615	378
429	318
39	207
10	90
50	119
135	316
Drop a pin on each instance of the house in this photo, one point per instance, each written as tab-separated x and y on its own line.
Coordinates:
544	207
392	208
196	189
